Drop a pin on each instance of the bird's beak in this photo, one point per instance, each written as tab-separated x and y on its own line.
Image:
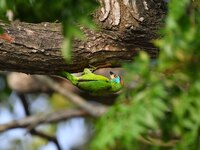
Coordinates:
111	73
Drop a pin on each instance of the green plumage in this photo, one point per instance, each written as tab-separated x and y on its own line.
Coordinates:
93	83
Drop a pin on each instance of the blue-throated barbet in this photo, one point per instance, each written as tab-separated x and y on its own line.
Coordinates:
95	84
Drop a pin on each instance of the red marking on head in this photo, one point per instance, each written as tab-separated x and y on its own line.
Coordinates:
6	37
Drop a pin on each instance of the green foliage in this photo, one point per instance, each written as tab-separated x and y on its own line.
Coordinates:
72	14
166	96
137	111
3	8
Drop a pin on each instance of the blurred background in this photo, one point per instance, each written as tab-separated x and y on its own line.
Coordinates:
72	134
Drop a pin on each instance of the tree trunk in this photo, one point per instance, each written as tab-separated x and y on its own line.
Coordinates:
126	27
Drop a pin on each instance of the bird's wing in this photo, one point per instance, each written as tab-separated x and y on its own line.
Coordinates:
92	77
94	86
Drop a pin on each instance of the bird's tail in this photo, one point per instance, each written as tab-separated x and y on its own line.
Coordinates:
68	76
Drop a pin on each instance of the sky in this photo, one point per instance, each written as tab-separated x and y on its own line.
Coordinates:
69	133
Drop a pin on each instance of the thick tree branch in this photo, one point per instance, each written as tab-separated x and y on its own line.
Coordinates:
126	27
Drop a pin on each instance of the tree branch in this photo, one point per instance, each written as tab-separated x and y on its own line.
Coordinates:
43	119
124	31
24	103
48	137
92	109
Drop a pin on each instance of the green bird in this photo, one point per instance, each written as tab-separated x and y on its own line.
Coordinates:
95	84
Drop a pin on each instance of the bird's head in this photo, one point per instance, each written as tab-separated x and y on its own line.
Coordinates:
116	78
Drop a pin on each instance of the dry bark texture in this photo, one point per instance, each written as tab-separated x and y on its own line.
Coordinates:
126	27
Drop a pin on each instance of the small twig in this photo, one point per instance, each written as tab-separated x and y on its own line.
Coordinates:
34	131
94	110
48	137
158	142
27	111
24	103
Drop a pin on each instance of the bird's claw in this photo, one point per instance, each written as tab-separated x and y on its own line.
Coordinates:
92	68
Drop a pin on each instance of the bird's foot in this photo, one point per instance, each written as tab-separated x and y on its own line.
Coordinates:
92	68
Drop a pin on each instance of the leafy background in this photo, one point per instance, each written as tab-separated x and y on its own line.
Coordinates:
166	96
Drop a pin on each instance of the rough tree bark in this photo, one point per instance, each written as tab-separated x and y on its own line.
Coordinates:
126	27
